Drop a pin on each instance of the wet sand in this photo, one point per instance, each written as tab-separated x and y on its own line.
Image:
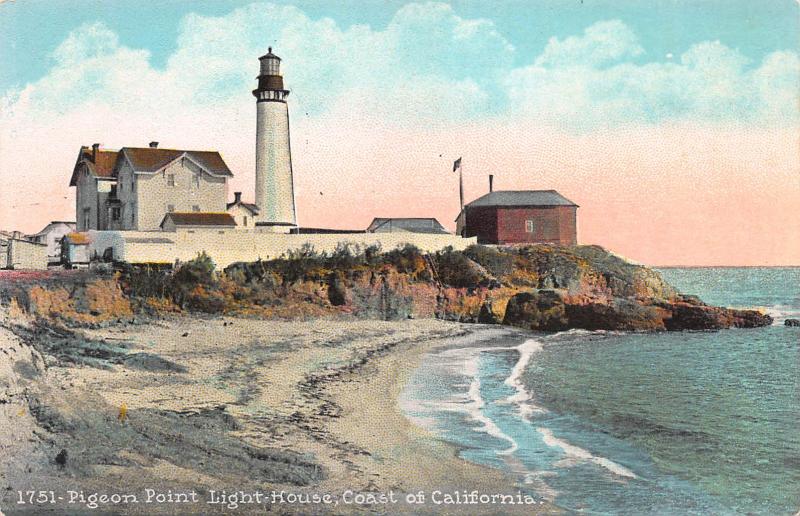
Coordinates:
301	407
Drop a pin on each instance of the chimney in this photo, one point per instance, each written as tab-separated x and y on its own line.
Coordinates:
95	148
153	145
491	183
237	197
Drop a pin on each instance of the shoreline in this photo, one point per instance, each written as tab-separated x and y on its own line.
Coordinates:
298	399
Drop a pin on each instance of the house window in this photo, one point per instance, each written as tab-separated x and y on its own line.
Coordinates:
197	180
170	179
244	220
529	226
195	208
170	208
86	217
113	191
115	213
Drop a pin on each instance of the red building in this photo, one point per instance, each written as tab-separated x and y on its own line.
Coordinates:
520	217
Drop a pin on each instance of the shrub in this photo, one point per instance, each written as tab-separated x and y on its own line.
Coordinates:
496	262
406	259
456	270
198	272
146	281
345	256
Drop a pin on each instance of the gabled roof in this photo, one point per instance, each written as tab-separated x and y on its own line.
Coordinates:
249	206
103	168
145	159
151	159
522	198
53	223
412	225
195	218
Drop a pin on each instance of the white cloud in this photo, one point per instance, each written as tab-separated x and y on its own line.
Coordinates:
572	86
601	43
428	69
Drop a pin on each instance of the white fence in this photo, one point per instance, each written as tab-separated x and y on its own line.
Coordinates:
230	245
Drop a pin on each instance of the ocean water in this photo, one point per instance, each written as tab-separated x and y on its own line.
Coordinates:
615	423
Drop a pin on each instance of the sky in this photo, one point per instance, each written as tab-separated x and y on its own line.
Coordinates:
673	124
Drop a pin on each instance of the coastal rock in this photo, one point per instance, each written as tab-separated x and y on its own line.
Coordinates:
337	291
702	317
792	322
619	315
537	310
538	287
486	315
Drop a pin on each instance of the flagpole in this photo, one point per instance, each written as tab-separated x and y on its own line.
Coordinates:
461	185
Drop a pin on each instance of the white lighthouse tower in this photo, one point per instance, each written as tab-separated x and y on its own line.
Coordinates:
274	182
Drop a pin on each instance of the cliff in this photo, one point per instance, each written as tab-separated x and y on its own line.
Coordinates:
538	287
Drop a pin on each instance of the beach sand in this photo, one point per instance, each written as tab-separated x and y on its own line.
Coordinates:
302	407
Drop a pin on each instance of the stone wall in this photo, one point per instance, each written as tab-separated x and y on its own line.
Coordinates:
26	255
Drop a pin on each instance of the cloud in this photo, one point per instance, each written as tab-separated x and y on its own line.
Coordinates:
601	43
428	65
585	82
374	109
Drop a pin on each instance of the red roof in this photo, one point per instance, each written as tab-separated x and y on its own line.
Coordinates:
145	159
149	159
199	219
104	167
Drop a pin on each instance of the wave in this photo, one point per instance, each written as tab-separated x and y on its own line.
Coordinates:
574	452
522	398
780	313
526	408
475	405
461	362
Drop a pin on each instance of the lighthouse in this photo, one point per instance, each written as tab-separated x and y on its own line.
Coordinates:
274	182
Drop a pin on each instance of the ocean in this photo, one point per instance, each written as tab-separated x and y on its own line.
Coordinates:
627	423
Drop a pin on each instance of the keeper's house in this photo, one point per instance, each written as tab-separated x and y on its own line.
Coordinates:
520	217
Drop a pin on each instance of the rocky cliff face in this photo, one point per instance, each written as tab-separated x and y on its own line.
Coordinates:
538	287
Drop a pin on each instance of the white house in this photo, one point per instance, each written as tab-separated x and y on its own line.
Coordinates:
51	236
244	213
133	188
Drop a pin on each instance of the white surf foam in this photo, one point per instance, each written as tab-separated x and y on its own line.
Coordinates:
780	313
575	452
475	405
522	398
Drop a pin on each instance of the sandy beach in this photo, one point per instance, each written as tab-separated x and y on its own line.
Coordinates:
239	405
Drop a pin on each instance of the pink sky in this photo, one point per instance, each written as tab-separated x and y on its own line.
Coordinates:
660	195
684	159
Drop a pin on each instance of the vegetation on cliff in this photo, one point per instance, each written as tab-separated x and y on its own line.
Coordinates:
538	287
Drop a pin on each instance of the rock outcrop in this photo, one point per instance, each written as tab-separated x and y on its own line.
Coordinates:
537	287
